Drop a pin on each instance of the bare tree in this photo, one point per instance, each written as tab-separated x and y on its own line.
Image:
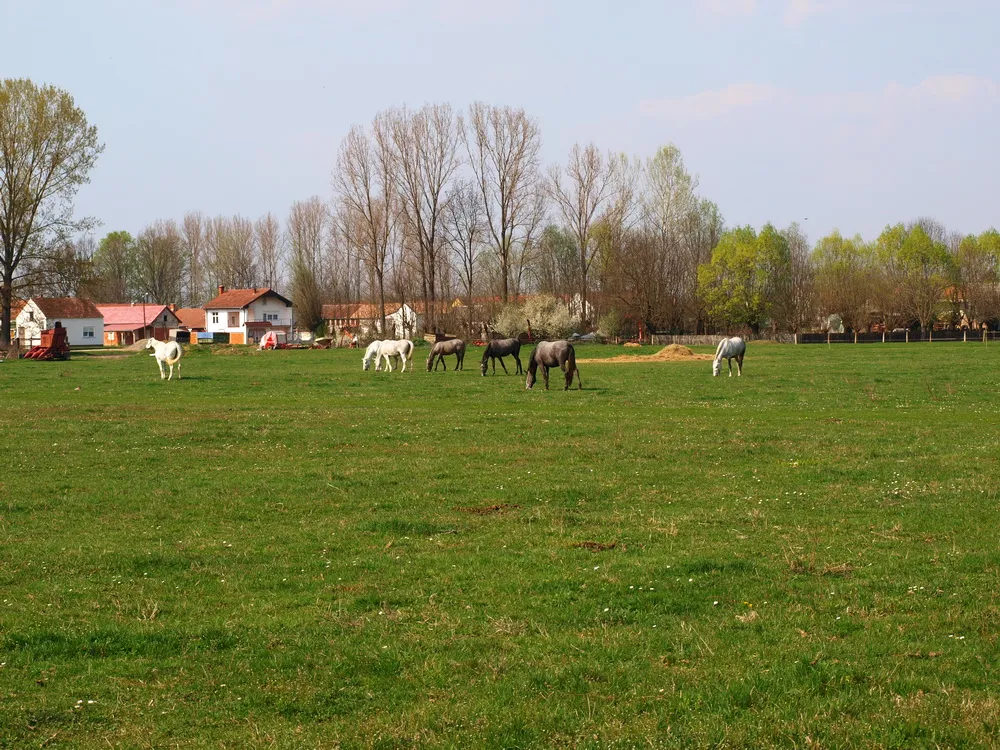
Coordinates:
583	195
47	150
307	224
160	262
424	158
363	181
193	236
230	244
503	144
464	230
270	250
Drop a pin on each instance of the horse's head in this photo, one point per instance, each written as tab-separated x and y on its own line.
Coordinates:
150	344
529	382
716	367
430	360
482	367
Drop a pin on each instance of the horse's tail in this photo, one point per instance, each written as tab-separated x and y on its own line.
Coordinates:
573	368
179	351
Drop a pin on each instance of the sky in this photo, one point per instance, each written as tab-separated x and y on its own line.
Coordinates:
847	114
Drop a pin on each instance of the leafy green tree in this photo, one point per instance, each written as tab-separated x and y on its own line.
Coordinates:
47	150
741	284
844	270
914	274
977	276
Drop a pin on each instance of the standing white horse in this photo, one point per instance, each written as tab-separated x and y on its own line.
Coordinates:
168	352
379	350
730	349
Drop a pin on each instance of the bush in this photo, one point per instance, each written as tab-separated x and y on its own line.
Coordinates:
550	318
611	324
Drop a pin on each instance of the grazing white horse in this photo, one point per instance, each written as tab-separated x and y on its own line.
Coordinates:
371	353
730	349
168	352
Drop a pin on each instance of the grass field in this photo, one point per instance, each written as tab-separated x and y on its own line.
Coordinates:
280	550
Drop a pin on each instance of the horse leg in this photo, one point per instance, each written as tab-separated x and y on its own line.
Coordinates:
739	366
163	375
545	374
171	375
502	365
178	369
443	363
520	370
730	361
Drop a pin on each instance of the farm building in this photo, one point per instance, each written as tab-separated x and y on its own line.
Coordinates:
401	320
82	320
124	324
247	314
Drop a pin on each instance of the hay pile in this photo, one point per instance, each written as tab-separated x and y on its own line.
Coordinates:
671	353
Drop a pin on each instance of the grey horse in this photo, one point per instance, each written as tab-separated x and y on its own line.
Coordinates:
498	349
553	354
441	348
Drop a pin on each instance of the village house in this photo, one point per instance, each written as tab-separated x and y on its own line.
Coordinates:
125	324
82	320
247	314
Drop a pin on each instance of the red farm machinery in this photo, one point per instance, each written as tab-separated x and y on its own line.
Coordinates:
54	345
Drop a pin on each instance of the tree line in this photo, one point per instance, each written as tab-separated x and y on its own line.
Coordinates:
431	204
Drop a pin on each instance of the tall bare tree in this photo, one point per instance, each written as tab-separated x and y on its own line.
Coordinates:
464	229
363	180
424	157
270	250
503	144
583	194
160	262
47	150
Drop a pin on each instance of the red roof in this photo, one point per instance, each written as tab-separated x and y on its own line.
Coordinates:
191	317
237	299
66	307
131	316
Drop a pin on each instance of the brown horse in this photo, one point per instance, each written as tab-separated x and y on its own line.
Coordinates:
442	348
498	349
553	354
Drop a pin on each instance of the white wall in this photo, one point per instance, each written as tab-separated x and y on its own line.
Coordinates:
30	332
223	325
271	306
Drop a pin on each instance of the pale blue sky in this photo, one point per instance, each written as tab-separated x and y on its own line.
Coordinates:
853	113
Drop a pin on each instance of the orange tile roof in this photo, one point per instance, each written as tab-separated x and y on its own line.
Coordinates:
66	307
237	299
191	317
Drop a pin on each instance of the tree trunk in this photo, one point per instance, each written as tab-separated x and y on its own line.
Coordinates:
6	293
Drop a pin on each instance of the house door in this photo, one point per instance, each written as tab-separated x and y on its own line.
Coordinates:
234	320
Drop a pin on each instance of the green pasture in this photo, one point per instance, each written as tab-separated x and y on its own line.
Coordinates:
280	550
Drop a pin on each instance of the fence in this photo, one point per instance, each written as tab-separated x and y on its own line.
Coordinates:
900	337
663	339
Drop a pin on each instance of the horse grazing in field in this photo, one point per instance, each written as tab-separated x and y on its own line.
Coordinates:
553	354
442	348
498	349
384	350
730	349
169	353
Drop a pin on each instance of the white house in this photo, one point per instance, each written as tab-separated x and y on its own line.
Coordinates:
247	314
82	320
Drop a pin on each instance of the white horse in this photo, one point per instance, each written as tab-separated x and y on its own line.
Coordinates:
168	352
371	353
730	349
402	349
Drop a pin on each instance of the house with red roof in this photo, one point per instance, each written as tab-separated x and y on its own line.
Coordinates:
124	324
247	314
82	320
192	318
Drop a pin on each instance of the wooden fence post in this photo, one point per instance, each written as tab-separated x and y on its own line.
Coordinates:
907	335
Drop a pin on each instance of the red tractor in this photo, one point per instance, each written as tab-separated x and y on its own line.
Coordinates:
55	345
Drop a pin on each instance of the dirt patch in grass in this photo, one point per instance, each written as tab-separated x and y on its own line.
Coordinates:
671	353
232	350
488	510
595	546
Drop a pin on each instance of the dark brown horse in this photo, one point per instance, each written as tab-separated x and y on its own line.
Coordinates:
553	354
498	349
441	348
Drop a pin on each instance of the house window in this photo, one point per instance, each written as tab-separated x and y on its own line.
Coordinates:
88	332
31	315
215	317
234	320
271	317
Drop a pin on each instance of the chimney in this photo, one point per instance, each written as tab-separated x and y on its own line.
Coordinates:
222	289
172	307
